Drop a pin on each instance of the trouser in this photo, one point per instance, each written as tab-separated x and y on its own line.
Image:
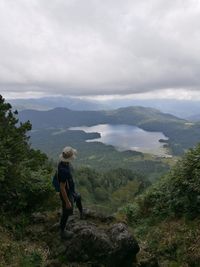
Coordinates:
77	200
65	212
74	197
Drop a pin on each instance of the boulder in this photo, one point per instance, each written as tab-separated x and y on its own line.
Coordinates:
97	241
112	246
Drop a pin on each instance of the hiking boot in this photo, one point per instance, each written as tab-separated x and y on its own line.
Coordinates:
66	234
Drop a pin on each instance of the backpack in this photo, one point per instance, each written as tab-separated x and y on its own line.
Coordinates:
55	182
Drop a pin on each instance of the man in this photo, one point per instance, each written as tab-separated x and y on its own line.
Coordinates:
67	189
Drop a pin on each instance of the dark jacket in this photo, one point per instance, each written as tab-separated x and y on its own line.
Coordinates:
65	175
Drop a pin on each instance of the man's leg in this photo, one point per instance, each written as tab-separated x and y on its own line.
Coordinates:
64	217
63	220
77	199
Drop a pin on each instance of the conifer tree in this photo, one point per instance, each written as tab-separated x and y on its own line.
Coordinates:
22	169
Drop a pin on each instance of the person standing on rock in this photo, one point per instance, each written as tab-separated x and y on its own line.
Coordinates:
68	194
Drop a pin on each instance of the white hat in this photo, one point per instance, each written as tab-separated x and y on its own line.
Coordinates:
68	154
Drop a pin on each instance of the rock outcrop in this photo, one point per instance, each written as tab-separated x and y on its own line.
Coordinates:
96	241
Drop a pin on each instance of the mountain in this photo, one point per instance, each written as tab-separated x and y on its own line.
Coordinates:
46	103
179	108
64	117
181	133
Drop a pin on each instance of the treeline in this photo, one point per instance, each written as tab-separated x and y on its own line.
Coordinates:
108	191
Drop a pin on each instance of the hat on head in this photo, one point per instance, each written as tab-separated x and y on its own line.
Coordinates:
68	154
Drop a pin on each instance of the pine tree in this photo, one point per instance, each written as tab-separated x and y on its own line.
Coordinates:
22	169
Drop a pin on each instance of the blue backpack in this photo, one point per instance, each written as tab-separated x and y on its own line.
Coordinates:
55	182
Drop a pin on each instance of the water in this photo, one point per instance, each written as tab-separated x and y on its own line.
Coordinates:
126	137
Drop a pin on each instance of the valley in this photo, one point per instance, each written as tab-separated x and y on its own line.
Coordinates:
54	129
156	196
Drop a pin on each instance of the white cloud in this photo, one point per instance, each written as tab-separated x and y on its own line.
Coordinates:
98	47
157	94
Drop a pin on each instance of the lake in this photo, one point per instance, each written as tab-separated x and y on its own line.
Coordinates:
126	137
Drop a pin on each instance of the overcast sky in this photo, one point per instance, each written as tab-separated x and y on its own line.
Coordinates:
100	47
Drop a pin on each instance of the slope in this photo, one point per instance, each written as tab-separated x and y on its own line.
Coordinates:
166	217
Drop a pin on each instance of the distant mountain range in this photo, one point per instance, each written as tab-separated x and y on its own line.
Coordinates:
64	117
180	108
46	103
182	134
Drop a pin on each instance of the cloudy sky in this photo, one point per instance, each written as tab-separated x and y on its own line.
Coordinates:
100	47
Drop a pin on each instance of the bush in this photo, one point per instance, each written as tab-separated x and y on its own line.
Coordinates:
24	172
177	194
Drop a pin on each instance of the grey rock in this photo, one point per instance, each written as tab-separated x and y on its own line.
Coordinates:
125	247
95	242
113	246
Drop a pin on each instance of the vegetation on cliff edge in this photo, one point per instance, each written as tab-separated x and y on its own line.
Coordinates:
167	215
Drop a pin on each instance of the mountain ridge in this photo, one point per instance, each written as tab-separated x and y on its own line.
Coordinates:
131	114
177	107
181	133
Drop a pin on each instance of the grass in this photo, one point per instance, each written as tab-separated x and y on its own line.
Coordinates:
173	242
23	253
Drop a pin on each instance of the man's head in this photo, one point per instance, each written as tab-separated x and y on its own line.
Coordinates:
68	154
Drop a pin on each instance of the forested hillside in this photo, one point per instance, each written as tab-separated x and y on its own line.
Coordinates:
108	191
166	217
96	155
181	133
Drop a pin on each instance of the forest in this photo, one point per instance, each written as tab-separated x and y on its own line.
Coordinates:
163	214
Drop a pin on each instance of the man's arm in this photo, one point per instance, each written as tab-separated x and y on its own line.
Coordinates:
64	195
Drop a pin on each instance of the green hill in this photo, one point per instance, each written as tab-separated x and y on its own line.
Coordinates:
166	217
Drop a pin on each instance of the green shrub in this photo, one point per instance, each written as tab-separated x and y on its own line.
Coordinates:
177	194
24	172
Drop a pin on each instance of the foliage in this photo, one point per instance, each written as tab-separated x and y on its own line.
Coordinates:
109	189
24	172
177	194
166	216
20	252
174	242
